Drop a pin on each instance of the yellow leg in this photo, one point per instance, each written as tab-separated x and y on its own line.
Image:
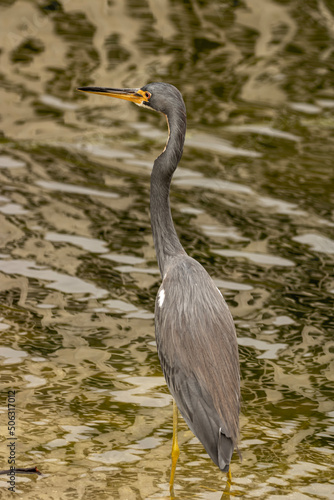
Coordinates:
227	490
175	448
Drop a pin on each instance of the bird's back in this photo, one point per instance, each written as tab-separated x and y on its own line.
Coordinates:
198	351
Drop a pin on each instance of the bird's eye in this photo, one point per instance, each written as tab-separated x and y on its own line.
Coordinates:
147	95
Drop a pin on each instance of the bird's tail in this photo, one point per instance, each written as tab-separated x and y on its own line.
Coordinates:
225	451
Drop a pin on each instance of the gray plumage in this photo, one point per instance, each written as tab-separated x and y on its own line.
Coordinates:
198	353
195	334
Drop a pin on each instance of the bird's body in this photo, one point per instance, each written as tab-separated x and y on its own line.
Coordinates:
195	334
196	343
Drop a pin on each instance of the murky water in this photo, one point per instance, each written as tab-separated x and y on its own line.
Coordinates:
252	201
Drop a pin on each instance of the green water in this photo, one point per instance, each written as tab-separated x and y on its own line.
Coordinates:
252	201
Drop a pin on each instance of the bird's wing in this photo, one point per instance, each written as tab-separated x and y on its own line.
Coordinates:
198	351
197	408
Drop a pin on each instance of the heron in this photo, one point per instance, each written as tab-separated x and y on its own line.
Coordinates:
194	329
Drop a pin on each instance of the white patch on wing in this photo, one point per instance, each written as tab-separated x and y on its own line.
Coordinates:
161	297
220	292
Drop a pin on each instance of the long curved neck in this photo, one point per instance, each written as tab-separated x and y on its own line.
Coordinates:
166	242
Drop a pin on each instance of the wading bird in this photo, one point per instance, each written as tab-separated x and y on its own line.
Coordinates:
195	334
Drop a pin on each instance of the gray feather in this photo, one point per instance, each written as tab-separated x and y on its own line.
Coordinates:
198	351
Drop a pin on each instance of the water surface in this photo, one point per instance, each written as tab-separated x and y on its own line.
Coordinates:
252	201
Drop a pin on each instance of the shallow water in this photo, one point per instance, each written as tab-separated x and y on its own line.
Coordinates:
252	201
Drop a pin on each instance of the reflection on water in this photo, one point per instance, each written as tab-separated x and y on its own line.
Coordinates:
261	259
317	242
90	244
252	200
7	161
214	144
61	282
262	130
67	188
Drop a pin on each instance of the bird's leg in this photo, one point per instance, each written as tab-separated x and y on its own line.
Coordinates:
227	490
175	448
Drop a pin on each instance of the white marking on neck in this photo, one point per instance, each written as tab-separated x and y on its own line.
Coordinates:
168	134
161	297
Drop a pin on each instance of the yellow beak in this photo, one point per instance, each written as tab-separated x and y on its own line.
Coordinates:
137	96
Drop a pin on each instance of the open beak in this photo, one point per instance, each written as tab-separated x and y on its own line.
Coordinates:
137	96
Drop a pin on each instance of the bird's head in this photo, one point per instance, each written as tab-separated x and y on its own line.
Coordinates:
159	96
